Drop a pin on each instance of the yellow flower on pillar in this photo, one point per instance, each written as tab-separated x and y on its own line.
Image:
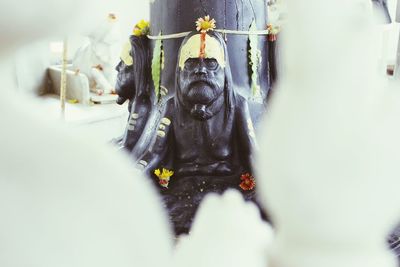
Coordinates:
142	28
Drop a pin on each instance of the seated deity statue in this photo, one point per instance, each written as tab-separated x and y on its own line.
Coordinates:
98	57
133	84
206	123
205	136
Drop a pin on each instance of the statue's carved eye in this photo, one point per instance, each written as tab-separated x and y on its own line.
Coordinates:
191	63
211	63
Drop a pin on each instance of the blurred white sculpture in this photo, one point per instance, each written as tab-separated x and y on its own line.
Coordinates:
65	201
277	12
227	231
98	58
331	143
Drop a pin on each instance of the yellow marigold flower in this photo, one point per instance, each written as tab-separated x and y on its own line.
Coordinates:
166	173
143	24
137	32
141	28
205	24
163	176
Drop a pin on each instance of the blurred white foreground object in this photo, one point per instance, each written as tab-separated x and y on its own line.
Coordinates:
227	231
23	20
331	143
65	201
68	202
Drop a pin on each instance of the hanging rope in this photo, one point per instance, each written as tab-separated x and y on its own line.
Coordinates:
63	85
184	34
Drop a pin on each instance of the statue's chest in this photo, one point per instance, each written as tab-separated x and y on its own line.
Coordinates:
201	139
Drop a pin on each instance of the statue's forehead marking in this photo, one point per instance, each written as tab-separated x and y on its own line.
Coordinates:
125	54
191	49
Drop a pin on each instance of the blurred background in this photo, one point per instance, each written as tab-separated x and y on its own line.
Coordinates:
34	67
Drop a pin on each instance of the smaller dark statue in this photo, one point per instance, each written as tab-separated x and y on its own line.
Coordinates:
133	84
205	136
394	241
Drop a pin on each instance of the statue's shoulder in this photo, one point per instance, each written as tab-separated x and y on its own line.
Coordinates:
167	107
241	101
170	103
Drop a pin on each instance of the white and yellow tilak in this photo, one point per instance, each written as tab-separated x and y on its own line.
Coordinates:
191	49
125	54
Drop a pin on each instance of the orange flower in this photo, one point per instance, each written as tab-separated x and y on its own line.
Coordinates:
273	29
248	182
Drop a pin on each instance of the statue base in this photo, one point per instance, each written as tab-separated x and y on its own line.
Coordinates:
184	194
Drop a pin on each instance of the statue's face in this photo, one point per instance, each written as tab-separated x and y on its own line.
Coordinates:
201	82
125	85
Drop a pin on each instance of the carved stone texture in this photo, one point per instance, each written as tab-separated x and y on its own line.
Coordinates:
174	16
205	136
134	84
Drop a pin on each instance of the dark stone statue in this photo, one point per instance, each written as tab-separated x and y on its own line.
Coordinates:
394	241
205	135
134	84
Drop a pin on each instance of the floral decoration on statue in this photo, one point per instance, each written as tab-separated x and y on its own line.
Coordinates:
142	28
163	176
248	182
203	25
273	31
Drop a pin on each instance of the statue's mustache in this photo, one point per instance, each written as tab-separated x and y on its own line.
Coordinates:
202	80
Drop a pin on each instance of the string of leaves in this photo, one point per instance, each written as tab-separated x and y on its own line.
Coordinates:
163	90
254	61
157	65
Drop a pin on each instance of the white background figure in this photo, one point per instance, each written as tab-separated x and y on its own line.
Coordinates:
98	57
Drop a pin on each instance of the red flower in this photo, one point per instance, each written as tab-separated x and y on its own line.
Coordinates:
163	183
248	182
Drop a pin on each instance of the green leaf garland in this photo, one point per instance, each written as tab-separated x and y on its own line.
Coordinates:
157	65
254	61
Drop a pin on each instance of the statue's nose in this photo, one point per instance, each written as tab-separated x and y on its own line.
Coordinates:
119	66
200	69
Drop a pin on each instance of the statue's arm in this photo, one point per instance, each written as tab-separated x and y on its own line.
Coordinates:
159	145
140	113
247	139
